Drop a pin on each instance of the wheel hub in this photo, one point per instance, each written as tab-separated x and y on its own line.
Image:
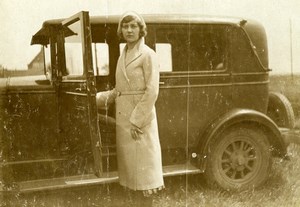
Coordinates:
238	160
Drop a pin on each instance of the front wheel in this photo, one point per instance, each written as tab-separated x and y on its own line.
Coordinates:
239	158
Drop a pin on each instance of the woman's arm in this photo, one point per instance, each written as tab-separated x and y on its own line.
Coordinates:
144	112
105	98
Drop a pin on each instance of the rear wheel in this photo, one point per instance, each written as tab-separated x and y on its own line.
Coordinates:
239	158
280	110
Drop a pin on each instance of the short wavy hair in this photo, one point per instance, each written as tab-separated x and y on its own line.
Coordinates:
128	17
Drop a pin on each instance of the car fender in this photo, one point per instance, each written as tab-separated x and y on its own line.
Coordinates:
237	117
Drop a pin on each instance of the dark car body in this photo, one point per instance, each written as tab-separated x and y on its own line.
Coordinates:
214	75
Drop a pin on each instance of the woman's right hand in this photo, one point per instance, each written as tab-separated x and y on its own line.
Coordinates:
136	132
105	98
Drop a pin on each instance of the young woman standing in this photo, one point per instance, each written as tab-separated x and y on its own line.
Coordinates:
135	94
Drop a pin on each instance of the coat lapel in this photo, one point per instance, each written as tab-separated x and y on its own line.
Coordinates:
137	53
122	64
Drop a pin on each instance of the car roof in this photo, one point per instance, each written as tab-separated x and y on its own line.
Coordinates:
41	37
161	18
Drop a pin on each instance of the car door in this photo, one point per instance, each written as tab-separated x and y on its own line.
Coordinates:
80	138
171	106
194	84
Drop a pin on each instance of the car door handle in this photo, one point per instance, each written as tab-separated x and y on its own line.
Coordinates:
161	83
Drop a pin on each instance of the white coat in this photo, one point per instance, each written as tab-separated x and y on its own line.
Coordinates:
135	94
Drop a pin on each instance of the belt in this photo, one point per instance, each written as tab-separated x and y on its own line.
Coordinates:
123	93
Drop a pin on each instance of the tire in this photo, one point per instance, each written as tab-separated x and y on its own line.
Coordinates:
280	110
239	159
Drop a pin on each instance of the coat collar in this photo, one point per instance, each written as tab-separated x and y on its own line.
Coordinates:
138	48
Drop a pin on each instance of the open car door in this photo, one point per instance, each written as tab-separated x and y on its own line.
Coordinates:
78	124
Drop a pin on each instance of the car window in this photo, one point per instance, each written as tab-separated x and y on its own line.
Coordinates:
100	59
207	50
47	61
177	38
164	53
73	50
74	62
191	48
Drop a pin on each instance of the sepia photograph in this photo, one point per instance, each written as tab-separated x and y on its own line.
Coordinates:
123	103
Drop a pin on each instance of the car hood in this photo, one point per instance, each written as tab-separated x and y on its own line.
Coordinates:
24	83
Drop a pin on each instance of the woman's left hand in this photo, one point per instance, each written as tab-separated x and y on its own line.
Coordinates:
135	132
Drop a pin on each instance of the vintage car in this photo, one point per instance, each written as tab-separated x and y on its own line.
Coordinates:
214	112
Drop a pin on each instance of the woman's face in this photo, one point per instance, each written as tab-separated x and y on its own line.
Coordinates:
131	31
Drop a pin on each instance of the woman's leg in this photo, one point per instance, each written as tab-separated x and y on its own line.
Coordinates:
139	200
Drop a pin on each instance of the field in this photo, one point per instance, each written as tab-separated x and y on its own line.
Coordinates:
282	188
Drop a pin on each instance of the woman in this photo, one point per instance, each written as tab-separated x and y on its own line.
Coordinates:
135	94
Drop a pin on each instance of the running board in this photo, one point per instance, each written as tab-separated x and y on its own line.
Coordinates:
90	179
111	177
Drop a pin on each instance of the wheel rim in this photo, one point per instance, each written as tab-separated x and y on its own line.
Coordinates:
240	161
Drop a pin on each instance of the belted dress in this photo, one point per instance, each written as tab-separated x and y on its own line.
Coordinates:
135	94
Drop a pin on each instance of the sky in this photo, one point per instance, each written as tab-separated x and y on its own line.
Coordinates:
20	19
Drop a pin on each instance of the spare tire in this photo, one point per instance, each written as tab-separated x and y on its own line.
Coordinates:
280	110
